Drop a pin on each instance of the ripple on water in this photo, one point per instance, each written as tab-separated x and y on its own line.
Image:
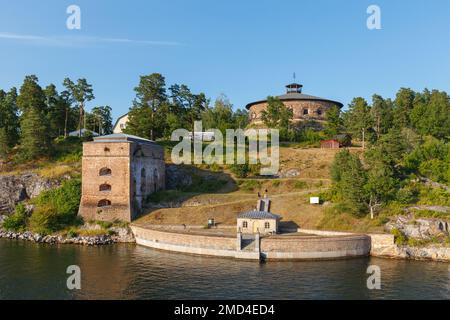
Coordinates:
29	270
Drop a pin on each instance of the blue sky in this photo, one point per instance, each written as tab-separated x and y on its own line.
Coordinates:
244	49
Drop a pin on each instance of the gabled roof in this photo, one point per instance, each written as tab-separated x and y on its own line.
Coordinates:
258	215
118	119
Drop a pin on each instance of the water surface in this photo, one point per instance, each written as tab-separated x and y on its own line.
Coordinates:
36	271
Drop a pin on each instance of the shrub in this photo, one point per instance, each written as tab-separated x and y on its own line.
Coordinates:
57	208
300	184
400	238
407	195
17	221
250	185
105	224
72	233
240	170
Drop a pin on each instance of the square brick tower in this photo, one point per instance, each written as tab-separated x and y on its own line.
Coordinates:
119	172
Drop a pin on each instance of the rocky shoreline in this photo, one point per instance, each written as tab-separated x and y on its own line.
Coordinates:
99	240
124	235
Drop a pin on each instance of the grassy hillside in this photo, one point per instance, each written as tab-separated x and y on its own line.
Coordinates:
290	196
65	160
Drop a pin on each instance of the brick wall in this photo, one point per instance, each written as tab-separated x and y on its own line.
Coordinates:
114	156
297	108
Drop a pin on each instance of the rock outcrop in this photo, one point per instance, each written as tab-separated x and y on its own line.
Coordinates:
420	228
17	188
177	177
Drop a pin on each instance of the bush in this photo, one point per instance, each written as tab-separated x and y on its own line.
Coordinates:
72	233
57	208
105	224
240	170
250	185
407	195
400	238
17	221
300	184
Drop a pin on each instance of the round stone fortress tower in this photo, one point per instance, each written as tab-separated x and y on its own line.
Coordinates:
304	107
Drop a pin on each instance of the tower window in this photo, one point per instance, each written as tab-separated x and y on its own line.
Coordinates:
305	111
155	180
105	187
104	203
319	112
105	172
143	180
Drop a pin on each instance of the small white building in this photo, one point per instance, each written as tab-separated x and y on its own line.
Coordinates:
76	133
261	222
204	136
120	124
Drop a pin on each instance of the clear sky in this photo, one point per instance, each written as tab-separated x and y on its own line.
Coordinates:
244	49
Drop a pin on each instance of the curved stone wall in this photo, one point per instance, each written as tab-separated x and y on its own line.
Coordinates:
315	247
316	110
337	245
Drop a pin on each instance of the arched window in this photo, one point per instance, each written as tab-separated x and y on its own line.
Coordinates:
319	112
105	187
155	180
267	225
245	224
104	203
305	111
143	180
105	171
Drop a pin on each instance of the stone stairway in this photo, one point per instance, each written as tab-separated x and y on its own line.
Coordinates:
4	207
248	244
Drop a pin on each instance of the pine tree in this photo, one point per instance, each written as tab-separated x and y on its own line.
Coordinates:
9	119
147	117
382	114
334	125
34	135
403	104
80	92
4	145
349	179
358	119
57	108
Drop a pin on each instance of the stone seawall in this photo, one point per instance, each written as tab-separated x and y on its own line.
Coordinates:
270	248
310	247
185	243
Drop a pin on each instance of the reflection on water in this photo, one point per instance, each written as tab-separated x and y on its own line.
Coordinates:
32	271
